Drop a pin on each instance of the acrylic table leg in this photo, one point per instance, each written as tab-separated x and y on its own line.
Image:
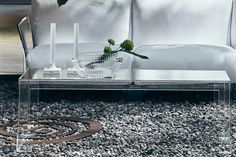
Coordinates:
2	108
23	111
224	100
216	94
34	95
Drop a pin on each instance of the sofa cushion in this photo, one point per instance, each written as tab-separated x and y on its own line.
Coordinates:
233	25
181	21
98	20
188	57
39	56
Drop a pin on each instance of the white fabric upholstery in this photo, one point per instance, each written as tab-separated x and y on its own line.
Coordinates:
233	25
39	57
181	21
98	19
188	57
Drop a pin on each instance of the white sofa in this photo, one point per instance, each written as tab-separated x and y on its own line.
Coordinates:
174	34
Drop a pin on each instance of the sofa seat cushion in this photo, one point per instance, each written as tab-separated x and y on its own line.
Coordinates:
39	56
182	22
98	19
188	57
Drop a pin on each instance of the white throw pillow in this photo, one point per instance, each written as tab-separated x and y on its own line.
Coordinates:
98	19
182	21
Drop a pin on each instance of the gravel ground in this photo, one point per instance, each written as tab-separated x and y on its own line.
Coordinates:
165	124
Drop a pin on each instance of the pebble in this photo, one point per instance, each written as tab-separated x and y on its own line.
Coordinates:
132	129
234	136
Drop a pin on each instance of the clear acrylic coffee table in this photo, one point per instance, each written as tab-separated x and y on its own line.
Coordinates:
32	81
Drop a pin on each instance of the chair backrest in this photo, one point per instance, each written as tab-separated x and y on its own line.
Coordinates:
182	22
98	19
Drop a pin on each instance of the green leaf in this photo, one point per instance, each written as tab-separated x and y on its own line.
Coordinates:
135	54
61	2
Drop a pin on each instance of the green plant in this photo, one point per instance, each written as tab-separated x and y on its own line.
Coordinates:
126	46
61	2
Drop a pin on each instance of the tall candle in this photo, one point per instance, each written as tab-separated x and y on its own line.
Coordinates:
52	43
76	40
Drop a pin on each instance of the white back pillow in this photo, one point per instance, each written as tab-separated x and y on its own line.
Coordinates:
181	21
98	19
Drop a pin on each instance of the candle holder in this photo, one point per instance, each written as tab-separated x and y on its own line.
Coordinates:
78	70
52	70
74	71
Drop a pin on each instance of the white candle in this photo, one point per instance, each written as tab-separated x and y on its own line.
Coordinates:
76	40
52	43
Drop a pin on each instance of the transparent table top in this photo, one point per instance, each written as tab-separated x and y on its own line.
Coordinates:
138	76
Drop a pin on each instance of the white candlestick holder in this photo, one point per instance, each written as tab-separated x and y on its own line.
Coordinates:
74	71
52	70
